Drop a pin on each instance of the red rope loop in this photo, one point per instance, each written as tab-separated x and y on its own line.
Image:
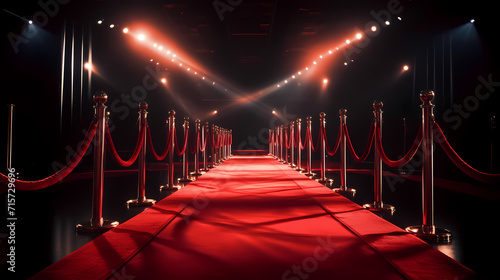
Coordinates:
195	145
288	141
337	142
367	147
59	175
406	158
314	148
186	136
114	153
460	163
204	146
152	149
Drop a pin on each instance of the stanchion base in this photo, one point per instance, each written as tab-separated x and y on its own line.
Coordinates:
185	181
140	203
291	165
380	207
86	227
169	188
301	170
347	192
196	174
432	234
308	174
326	182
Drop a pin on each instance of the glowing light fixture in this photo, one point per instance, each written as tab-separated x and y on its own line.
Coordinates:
406	68
163	80
373	28
125	30
359	36
141	37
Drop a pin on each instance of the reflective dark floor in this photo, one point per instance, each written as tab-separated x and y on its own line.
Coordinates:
45	229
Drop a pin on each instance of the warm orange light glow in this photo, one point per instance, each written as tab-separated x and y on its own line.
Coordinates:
214	112
141	37
88	66
274	112
125	30
347	41
406	68
164	81
374	28
325	81
359	36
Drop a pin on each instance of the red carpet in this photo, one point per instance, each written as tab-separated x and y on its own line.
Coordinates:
254	218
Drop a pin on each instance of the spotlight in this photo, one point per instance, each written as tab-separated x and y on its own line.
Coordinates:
387	22
163	80
472	20
125	30
348	41
274	112
406	67
314	62
30	21
99	21
141	37
358	36
373	28
325	81
214	112
111	26
88	66
286	81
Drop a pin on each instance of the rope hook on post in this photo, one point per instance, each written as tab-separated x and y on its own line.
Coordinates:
97	223
322	142
309	172
171	127
343	189
428	231
141	192
378	205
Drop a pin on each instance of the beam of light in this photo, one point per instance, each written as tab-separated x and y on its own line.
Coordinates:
89	74
81	74
72	91
63	58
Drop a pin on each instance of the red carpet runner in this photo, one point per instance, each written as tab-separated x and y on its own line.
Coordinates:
254	218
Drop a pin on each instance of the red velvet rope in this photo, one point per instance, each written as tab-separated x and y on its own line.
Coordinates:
114	153
309	138
197	139
367	147
202	149
288	141
59	175
152	149
402	161
337	142
186	136
460	163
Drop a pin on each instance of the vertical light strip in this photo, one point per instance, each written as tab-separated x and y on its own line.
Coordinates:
81	74
451	72
63	58
89	85
72	70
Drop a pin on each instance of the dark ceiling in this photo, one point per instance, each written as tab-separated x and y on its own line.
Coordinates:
249	45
